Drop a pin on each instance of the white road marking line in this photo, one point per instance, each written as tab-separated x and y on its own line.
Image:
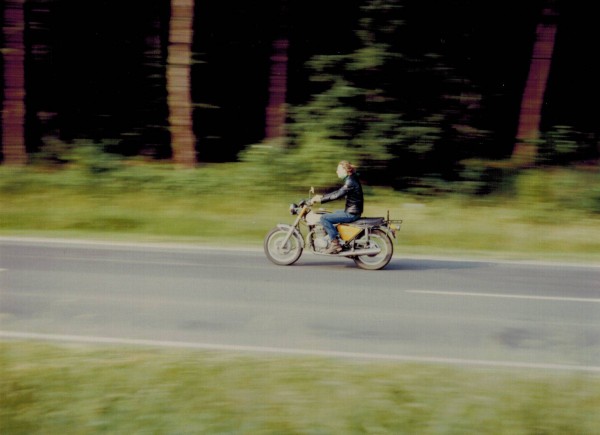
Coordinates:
129	261
507	296
127	245
288	351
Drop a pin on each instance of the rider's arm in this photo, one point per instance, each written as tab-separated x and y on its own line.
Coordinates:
340	193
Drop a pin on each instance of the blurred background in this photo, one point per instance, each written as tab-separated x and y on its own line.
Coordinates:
428	98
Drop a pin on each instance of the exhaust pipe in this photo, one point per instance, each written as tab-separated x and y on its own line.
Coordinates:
372	251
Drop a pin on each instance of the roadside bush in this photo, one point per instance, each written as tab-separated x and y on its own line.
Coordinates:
563	145
274	169
560	188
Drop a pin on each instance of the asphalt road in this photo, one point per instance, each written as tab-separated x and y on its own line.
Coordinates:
428	310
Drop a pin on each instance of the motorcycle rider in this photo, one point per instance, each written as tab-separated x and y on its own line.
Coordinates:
352	191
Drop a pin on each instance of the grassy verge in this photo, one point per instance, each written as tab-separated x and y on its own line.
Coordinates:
231	205
67	389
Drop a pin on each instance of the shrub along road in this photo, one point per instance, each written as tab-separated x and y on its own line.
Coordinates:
436	310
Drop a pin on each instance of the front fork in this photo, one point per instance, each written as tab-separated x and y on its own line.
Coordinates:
294	226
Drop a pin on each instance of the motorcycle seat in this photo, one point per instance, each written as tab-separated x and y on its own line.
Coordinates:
369	221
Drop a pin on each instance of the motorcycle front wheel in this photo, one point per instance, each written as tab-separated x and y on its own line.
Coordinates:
280	253
377	239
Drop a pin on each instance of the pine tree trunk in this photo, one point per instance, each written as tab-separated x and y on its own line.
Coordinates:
276	109
528	131
13	108
183	140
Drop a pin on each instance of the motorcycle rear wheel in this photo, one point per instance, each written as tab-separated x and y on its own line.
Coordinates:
277	252
381	240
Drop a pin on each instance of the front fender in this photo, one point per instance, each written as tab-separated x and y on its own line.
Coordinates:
295	232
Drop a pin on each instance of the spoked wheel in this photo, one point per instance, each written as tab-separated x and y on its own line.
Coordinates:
280	253
381	240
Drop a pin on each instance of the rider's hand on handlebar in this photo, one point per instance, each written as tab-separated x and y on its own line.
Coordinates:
316	199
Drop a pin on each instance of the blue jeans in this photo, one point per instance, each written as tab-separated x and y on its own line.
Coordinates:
337	217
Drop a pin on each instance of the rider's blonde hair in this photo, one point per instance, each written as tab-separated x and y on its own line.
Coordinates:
348	167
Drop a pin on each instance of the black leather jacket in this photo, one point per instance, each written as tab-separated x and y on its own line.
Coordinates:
352	190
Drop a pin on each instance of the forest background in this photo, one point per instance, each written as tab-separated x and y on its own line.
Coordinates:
160	118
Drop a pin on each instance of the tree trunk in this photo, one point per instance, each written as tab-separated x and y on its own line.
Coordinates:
528	131
276	109
276	112
179	60
13	108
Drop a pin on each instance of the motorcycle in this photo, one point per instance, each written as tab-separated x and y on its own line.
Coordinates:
367	241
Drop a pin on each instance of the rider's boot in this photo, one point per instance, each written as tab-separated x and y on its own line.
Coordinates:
334	247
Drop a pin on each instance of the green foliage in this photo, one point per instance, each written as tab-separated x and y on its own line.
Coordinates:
409	112
400	116
541	190
560	189
405	101
483	177
86	155
563	145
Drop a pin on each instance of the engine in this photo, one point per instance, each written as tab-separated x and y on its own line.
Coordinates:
319	239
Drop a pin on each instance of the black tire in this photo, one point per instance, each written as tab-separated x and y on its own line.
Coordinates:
380	239
282	255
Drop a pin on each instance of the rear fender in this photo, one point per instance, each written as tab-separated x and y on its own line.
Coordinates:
390	233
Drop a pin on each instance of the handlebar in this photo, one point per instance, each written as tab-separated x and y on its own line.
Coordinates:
295	208
304	202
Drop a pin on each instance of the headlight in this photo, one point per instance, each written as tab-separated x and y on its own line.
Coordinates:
293	209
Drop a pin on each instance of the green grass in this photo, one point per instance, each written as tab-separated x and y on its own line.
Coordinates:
543	217
83	390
